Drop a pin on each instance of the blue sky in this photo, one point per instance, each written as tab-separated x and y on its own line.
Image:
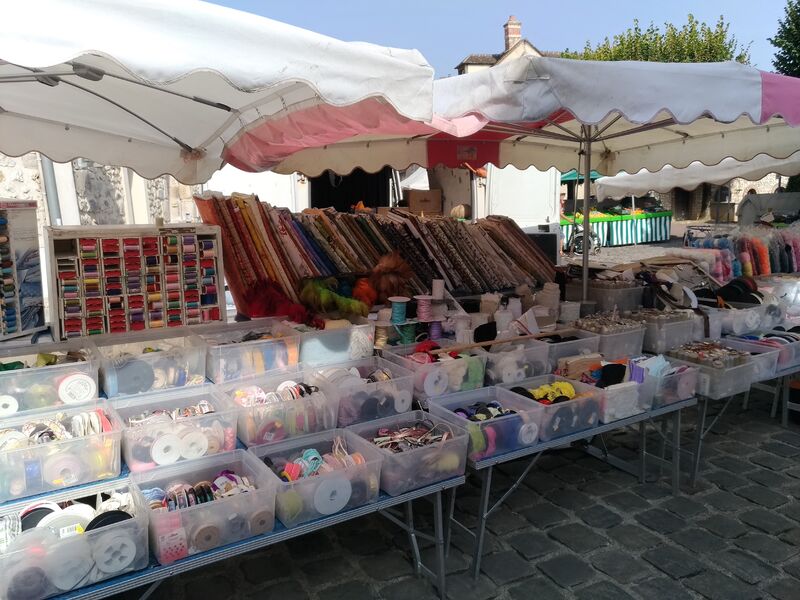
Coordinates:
445	31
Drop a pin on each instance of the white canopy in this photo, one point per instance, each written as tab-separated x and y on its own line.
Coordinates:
168	86
696	174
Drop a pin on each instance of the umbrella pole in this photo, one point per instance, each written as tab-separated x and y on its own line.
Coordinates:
587	186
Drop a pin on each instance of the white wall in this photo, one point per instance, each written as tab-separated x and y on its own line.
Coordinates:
291	191
530	196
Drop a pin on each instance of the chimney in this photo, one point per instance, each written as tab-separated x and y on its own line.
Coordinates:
513	32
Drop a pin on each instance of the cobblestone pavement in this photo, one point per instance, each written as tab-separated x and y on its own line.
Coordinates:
576	529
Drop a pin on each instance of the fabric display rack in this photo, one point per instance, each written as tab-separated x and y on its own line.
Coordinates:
622	230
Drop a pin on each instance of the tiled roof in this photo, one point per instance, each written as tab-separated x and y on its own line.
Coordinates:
480	59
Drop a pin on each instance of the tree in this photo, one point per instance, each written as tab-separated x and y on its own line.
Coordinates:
692	42
787	41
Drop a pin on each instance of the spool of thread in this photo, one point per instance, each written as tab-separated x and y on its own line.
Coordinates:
424	308
437	289
382	329
385	315
407	333
435	330
399	304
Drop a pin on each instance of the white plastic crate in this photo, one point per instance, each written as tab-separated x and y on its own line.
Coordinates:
277	418
566	418
163	439
765	359
494	436
513	361
186	531
360	400
150	361
444	377
45	561
230	356
418	467
27	470
325	494
586	343
331	346
47	386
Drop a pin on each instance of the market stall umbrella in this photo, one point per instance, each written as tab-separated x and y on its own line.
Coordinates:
696	174
168	87
609	116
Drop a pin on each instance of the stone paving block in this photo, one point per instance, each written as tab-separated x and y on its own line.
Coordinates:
532	544
716	586
598	487
791	510
537	587
724	480
456	562
661	588
683	507
310	546
544	514
569	499
660	520
793	569
257	569
770	479
504	521
767	521
577	538
599	516
574	474
698	540
620	565
792	537
784	450
595	464
602	590
762	496
794	473
465	542
675	562
388	565
723	526
505	567
551	461
633	537
788	437
413	588
287	590
726	501
567	570
744	565
626	502
463	587
522	498
652	491
746	437
734	465
735	448
200	587
770	461
322	572
543	482
767	547
784	589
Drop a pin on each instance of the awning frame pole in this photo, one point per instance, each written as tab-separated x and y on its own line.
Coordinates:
587	187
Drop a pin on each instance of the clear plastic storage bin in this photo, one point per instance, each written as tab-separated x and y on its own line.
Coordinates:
586	343
146	362
28	468
187	424
566	418
765	359
493	436
512	361
626	344
607	298
714	331
662	336
672	388
749	318
447	376
331	346
233	353
623	400
324	494
267	413
190	530
50	385
51	559
720	383
418	467
389	392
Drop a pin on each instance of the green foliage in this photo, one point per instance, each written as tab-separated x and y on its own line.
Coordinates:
787	41
692	42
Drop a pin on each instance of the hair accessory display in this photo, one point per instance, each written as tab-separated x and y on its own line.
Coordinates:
608	323
712	354
407	438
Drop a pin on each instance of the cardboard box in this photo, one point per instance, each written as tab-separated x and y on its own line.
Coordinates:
428	202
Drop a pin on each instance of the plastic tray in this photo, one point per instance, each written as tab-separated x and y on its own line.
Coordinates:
673	388
147	446
558	420
494	436
587	343
721	383
405	471
48	386
662	336
326	347
229	359
440	378
40	564
149	362
360	401
59	464
282	420
764	358
516	360
325	494
180	533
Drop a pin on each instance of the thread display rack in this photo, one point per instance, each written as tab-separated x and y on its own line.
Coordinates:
133	278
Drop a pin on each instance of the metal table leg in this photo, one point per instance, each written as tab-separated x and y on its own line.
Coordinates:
642	451
676	452
412	537
150	589
483	516
785	392
438	528
702	410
